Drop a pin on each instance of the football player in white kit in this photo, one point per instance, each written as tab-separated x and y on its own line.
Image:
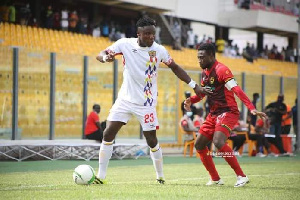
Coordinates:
138	93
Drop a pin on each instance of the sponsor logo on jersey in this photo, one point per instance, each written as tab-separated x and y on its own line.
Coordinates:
152	54
152	125
211	80
134	50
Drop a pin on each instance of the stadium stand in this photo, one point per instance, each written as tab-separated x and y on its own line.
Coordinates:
78	44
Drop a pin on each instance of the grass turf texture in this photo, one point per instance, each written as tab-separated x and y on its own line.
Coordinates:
270	178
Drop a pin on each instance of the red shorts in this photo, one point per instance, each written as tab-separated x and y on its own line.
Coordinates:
223	122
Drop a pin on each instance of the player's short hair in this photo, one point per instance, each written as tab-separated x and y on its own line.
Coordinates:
96	106
208	47
145	21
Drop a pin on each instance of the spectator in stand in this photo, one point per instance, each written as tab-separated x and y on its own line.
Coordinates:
191	39
282	54
247	53
289	54
4	12
105	29
269	3
197	44
237	50
295	122
245	4
229	50
220	45
56	21
12	13
274	52
203	39
296	9
254	51
25	14
64	19
275	110
209	40
73	20
93	129
177	34
266	52
286	123
96	31
49	17
83	24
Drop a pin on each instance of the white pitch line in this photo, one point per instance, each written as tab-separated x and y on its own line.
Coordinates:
29	186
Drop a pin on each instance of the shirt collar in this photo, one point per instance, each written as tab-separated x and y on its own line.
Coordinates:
207	71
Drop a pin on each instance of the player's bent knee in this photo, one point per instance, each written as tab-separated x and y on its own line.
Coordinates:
218	143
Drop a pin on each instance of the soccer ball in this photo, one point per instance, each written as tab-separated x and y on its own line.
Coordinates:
83	175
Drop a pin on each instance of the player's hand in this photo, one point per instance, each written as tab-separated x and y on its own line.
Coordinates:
206	90
187	104
260	114
110	56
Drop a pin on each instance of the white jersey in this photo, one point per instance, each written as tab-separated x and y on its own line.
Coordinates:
140	70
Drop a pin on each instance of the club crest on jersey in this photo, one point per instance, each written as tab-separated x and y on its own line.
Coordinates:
211	80
152	54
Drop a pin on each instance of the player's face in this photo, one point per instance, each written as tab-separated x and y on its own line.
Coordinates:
146	36
205	60
97	109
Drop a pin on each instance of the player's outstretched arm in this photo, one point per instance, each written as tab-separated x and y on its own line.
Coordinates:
182	75
243	97
258	113
105	56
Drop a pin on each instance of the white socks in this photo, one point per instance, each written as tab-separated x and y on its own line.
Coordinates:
157	158
104	156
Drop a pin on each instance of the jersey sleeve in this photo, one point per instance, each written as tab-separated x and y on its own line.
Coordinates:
116	47
243	97
224	74
195	98
166	58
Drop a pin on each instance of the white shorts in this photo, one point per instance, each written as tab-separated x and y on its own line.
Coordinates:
123	110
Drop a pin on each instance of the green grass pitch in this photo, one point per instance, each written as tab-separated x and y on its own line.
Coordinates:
270	178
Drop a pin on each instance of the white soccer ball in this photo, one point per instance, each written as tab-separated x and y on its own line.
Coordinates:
84	175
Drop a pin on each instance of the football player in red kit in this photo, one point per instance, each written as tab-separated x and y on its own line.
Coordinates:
219	86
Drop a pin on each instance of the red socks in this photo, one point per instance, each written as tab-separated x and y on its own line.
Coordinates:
208	162
230	158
